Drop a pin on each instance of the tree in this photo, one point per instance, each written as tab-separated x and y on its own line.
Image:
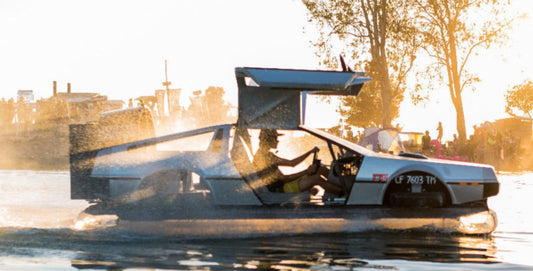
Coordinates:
451	31
210	108
520	98
216	108
365	109
375	33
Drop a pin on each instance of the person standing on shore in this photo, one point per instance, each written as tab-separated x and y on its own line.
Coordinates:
426	143
22	112
440	132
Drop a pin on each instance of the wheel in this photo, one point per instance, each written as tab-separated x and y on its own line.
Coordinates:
416	189
164	185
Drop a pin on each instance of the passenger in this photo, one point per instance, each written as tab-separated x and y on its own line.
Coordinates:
266	163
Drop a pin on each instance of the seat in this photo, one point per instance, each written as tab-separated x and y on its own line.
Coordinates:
242	157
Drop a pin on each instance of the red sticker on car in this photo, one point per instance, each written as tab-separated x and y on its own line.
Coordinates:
380	178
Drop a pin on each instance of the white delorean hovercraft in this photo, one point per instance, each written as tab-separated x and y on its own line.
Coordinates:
202	182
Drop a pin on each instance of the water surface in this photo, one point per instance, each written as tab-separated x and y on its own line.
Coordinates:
38	232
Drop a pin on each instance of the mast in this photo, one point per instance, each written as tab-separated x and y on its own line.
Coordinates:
166	84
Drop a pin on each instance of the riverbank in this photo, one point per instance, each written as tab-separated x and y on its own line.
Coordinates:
40	147
46	147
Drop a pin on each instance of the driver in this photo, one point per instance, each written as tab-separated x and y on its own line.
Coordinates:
266	163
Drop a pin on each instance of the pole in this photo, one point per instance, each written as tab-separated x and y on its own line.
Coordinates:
166	84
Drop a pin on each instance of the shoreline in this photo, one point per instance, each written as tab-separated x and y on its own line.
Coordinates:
46	147
41	147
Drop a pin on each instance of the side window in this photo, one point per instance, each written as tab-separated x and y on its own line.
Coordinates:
293	143
198	142
192	183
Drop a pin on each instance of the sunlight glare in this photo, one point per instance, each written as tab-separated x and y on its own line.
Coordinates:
478	222
90	222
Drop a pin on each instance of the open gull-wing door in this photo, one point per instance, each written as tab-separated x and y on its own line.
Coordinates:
276	98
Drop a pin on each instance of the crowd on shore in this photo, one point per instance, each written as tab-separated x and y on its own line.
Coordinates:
486	145
24	116
504	148
19	117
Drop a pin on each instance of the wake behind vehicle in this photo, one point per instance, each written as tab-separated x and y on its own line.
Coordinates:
202	182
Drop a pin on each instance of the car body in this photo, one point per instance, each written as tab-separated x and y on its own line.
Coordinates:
211	167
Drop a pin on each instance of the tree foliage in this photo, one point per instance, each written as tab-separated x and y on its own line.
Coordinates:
379	35
210	108
216	108
520	98
451	31
364	110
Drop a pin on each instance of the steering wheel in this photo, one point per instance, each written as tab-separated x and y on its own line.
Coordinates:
316	161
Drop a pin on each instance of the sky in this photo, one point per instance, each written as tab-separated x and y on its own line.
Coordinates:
118	48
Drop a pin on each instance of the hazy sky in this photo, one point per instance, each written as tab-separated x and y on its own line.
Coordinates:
118	48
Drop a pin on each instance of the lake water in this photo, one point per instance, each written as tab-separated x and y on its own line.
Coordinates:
38	232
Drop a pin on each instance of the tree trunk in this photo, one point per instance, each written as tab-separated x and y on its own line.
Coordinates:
386	94
376	26
460	118
455	84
